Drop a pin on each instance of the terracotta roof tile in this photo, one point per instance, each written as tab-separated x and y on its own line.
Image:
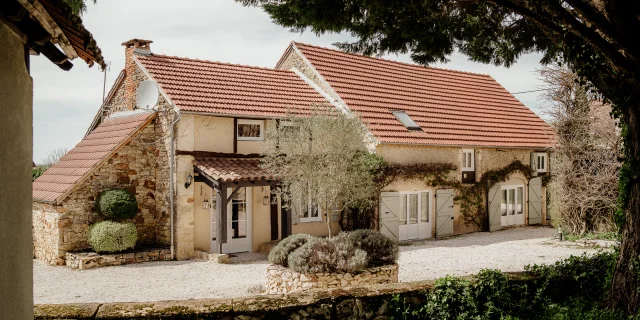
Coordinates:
232	169
451	107
222	88
80	161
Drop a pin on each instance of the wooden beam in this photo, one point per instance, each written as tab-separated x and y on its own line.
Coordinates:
235	135
235	191
221	221
208	154
273	205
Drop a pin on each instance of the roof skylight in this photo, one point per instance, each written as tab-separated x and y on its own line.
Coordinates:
406	120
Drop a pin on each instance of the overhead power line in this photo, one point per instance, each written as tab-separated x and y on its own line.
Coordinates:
530	91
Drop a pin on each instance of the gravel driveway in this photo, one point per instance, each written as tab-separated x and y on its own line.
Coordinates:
507	250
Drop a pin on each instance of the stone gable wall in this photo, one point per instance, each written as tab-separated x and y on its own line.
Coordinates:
61	228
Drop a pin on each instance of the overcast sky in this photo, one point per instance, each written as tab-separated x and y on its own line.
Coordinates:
65	102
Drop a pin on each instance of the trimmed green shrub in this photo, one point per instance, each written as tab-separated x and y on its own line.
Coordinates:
117	204
381	250
321	255
280	253
111	236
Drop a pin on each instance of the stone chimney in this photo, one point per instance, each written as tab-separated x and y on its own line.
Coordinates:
132	77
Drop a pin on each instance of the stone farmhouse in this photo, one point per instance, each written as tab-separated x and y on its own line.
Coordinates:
194	162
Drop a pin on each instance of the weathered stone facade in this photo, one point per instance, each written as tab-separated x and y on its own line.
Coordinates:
90	260
284	280
59	228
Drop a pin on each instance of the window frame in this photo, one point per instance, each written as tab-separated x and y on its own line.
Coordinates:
252	122
545	163
464	166
418	194
405	119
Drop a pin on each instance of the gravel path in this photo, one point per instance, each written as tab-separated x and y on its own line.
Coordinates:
507	250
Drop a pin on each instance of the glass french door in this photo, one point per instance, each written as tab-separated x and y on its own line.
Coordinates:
239	216
414	217
512	205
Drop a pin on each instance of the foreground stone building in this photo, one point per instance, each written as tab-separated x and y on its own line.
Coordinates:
33	27
193	161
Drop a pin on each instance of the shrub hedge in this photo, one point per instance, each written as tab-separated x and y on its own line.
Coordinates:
117	204
347	252
111	236
575	288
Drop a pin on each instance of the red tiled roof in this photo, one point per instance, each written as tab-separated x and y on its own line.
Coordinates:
82	160
222	88
451	107
232	169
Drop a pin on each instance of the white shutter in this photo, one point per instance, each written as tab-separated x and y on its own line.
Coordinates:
389	211
535	201
495	214
553	164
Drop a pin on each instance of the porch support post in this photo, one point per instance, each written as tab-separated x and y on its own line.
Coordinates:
221	200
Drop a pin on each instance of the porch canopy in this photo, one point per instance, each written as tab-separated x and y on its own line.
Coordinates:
224	172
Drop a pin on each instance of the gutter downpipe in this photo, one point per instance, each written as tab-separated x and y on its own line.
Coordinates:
171	179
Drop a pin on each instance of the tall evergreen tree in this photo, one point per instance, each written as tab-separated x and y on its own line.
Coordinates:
597	39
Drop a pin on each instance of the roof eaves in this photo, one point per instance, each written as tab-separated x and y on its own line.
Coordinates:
468	146
64	195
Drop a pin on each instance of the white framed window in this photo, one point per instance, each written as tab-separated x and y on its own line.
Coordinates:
540	162
250	129
468	160
414	207
309	211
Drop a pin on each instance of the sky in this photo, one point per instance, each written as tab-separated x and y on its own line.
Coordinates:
65	102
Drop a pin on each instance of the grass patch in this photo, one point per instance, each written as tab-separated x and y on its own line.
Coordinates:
592	236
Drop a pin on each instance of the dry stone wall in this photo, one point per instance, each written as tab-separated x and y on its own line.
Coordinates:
285	280
90	260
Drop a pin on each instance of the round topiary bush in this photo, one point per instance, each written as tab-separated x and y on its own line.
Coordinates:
381	250
117	204
322	255
280	253
111	236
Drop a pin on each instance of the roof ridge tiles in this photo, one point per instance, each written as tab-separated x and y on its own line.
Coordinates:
214	62
390	60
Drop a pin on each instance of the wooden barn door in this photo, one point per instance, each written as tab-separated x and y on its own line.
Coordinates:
444	212
535	201
389	211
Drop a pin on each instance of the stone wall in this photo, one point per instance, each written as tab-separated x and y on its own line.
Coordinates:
61	228
365	302
90	260
285	280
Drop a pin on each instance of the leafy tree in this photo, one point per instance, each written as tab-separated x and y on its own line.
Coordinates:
78	6
320	159
597	39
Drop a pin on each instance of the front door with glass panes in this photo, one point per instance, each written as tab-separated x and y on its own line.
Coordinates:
238	222
512	207
415	215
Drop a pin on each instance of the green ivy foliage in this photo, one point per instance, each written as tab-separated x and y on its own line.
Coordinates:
570	289
37	171
117	204
471	197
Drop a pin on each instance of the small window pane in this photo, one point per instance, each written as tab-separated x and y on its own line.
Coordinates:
468	159
512	200
246	130
413	208
424	207
503	206
406	120
519	200
403	209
